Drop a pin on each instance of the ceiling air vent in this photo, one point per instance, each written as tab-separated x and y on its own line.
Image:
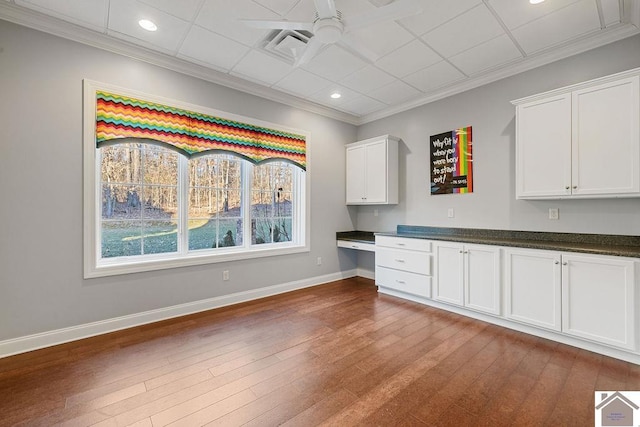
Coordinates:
287	44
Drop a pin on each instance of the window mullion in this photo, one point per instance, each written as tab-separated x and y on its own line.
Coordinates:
247	177
183	204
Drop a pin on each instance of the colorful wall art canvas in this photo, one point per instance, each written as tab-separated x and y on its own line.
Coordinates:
452	162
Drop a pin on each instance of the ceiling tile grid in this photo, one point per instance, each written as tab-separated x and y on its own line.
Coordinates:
429	47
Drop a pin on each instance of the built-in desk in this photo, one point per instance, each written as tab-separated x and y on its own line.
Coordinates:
357	240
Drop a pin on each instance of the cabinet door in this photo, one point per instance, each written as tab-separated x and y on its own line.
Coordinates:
606	139
543	148
532	287
355	162
449	273
376	173
482	278
598	299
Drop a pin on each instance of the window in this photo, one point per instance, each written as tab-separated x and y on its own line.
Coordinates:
149	206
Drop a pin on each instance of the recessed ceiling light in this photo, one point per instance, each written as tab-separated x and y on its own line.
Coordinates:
535	1
335	95
147	25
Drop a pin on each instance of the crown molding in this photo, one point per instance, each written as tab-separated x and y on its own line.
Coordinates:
41	22
586	43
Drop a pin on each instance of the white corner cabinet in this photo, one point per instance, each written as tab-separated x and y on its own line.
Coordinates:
582	141
372	171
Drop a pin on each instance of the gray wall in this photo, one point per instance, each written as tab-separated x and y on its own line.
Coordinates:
493	203
41	284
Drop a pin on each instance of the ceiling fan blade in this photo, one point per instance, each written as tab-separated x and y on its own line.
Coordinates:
325	8
277	25
349	42
396	10
313	47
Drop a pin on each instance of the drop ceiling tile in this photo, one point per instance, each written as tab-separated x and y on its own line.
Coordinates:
261	67
434	77
394	93
280	7
302	83
334	63
463	32
184	9
87	13
610	11
303	11
362	105
408	59
223	17
558	27
491	54
435	13
367	79
517	13
382	38
123	23
212	49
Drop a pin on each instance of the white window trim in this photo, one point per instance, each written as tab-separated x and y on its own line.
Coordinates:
95	266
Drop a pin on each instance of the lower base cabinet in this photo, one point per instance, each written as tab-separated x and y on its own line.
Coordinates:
532	288
586	296
598	301
468	276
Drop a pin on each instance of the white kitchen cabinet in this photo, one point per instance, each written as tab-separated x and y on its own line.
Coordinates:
532	287
468	275
372	171
598	299
582	141
404	265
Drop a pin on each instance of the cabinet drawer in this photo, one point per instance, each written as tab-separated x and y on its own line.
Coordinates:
404	243
400	259
411	283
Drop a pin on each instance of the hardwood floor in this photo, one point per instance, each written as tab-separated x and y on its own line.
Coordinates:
337	355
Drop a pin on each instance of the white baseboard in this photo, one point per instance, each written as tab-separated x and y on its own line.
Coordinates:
60	336
367	274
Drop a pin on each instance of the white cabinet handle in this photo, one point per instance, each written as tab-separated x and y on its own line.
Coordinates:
399	260
565	263
401	282
567	187
400	244
557	262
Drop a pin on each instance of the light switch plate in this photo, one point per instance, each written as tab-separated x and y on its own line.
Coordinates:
554	213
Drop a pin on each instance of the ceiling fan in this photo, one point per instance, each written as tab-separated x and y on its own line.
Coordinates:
330	27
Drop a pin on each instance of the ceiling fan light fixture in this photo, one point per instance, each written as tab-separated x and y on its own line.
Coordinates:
147	25
328	30
336	95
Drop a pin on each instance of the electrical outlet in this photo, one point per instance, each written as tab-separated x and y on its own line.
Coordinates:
451	213
554	213
319	261
225	275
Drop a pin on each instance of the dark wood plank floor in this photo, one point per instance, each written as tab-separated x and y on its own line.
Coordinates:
337	354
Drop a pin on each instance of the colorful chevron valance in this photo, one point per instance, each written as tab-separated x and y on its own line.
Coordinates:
192	133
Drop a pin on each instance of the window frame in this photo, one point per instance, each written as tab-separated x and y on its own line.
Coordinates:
96	266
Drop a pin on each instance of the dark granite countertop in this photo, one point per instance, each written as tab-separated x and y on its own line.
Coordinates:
357	236
601	244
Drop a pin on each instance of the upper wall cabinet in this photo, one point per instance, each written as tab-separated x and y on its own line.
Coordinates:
582	141
372	171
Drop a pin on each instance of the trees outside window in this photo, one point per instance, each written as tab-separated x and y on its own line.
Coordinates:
151	193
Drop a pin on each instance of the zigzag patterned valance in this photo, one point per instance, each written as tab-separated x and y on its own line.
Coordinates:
192	133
